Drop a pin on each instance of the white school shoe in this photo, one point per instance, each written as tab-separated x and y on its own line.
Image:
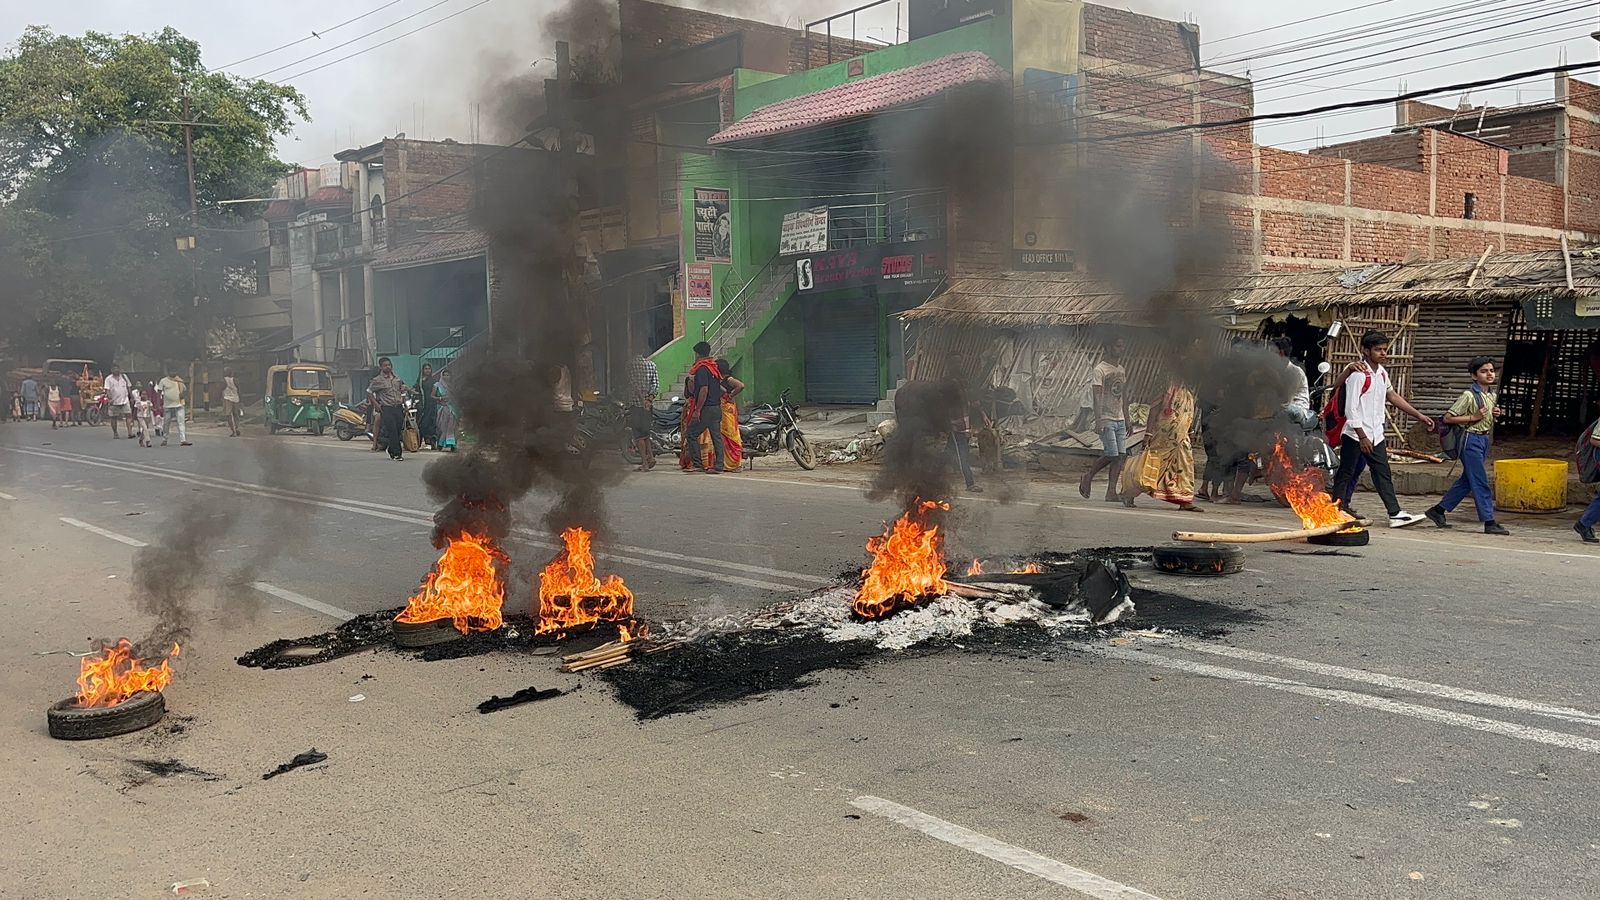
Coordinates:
1404	519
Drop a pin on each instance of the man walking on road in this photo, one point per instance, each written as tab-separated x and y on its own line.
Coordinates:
30	398
644	383
1111	419
1366	394
174	396
119	400
1473	413
230	401
389	393
705	384
1591	516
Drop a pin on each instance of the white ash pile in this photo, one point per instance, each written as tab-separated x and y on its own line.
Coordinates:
1056	601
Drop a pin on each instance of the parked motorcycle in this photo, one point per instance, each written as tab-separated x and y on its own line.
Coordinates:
768	429
666	432
601	422
348	422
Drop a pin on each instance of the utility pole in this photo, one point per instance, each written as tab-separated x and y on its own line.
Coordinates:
583	373
188	156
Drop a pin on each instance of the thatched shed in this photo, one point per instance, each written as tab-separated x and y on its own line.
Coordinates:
1040	332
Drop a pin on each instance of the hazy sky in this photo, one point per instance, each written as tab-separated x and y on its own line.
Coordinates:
430	83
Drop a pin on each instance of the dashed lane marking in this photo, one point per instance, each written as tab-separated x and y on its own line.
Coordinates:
1084	882
96	529
343	615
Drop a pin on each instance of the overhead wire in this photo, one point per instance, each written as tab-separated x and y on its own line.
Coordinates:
359	37
316	34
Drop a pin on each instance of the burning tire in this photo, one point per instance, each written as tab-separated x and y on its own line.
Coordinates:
1358	538
424	634
71	722
1198	560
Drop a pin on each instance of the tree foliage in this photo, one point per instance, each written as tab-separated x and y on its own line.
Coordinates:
95	190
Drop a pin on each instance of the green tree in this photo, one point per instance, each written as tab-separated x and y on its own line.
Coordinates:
95	190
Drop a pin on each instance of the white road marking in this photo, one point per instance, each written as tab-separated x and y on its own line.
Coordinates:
1353	698
1084	882
96	529
401	514
5	496
342	615
1443	691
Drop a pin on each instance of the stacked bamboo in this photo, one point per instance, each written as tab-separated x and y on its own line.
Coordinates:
614	653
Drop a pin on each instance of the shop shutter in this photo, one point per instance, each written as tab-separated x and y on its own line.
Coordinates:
842	351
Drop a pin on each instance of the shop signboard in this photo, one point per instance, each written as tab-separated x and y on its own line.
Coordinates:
1044	260
697	281
713	227
805	231
888	267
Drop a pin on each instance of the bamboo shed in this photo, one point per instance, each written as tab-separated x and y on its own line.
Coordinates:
1538	314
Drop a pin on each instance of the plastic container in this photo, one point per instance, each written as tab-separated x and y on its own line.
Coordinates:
1530	485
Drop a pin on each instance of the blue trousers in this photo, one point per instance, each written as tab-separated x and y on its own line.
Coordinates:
1474	478
1591	516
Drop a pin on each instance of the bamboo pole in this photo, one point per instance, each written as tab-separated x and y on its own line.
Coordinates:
1215	537
1566	259
1479	267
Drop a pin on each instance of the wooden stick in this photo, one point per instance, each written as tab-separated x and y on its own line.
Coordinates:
607	654
1566	259
1413	454
969	591
1477	268
1213	537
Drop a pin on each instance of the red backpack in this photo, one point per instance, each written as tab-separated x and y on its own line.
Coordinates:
1333	417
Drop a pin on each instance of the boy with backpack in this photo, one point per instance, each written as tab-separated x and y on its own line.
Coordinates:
1363	400
1473	413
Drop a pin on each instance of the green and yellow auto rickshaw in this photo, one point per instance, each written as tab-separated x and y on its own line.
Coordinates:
299	396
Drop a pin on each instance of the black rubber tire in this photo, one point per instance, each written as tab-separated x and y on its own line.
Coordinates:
1198	560
424	634
343	432
1358	538
272	428
70	722
630	452
318	427
802	451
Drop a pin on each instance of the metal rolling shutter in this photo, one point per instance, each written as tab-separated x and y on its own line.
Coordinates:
842	351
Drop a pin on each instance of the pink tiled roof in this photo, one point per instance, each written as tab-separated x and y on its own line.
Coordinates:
329	193
865	96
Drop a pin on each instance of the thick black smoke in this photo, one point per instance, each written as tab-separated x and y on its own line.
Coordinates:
527	206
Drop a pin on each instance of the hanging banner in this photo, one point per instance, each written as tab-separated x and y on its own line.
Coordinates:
713	228
887	267
804	232
697	281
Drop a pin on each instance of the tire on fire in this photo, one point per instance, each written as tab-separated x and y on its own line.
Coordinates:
1198	560
71	722
424	634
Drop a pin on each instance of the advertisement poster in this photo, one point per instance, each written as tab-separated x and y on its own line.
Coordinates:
697	281
804	232
713	229
890	267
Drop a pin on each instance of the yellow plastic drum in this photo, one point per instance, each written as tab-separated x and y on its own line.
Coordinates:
1530	485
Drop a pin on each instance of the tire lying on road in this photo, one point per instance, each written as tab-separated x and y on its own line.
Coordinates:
1198	560
1358	538
424	634
71	722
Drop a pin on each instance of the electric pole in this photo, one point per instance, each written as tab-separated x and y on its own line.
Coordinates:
188	157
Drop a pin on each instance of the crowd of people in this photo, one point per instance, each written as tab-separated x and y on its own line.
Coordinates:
148	409
1357	416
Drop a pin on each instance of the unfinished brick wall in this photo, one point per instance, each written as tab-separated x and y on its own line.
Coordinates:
1130	37
652	28
1397	151
411	169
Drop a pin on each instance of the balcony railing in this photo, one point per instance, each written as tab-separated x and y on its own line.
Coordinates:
907	217
337	242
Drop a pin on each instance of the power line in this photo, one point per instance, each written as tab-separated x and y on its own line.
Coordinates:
325	52
387	42
315	34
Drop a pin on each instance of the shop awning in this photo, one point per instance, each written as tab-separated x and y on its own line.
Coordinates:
865	96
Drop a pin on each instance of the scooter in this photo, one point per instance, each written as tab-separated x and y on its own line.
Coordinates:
768	429
347	422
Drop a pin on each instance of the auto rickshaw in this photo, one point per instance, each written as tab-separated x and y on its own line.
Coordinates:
299	396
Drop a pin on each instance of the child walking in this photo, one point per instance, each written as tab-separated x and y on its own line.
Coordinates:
1366	394
1474	413
144	411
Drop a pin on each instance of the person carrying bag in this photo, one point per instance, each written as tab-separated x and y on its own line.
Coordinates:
1470	434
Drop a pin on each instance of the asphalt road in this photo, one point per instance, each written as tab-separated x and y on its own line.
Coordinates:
1416	720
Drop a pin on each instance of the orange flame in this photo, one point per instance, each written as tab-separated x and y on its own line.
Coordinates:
116	674
1032	568
1302	490
907	563
464	587
976	568
570	594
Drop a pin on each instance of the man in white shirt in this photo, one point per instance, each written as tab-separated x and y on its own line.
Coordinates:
119	396
1298	406
1367	392
174	394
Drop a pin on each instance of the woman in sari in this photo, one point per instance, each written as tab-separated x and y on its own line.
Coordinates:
446	416
696	457
1166	471
732	443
